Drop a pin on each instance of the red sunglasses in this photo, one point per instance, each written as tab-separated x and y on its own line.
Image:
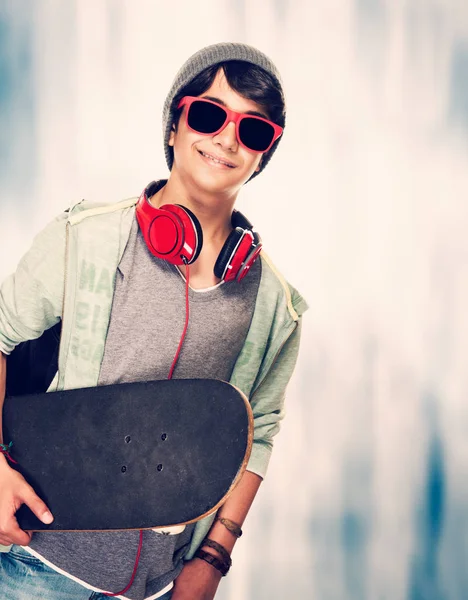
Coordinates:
255	134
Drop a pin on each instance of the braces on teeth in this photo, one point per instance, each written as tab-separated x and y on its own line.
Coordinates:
216	160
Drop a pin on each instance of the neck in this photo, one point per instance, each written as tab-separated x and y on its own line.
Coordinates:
212	210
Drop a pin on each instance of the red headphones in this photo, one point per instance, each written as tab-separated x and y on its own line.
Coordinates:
173	232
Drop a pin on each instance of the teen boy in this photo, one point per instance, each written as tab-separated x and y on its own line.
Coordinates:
122	311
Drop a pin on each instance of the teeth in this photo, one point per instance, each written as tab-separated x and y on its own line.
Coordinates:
221	162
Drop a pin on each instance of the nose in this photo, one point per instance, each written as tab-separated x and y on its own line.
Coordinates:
227	137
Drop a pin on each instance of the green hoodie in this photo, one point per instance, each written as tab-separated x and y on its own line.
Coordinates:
69	274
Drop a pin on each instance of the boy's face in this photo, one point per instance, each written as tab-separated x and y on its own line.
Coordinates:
192	150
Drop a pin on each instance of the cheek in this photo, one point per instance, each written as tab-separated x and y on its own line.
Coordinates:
184	142
185	139
251	160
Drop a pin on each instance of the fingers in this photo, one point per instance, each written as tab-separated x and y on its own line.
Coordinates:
12	534
15	491
38	507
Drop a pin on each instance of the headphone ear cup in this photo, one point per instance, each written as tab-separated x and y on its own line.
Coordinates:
165	232
249	261
179	233
198	231
172	232
227	251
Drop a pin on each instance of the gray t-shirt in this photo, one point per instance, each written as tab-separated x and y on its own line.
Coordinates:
147	319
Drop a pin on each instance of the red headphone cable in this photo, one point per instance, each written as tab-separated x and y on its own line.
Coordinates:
187	314
171	371
130	583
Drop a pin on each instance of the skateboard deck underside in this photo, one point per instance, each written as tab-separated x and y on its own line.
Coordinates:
129	456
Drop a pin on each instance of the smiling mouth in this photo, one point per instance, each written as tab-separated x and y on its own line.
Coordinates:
216	160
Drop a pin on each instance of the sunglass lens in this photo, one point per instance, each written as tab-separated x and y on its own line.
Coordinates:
255	134
205	117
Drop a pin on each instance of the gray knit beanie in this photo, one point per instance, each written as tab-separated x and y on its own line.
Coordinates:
206	57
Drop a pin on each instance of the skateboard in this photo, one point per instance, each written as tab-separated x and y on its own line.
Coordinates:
129	456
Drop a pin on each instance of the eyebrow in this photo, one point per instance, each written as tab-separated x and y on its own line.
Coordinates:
247	112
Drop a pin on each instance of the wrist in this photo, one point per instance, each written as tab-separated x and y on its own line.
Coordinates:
3	461
5	450
218	550
221	534
215	564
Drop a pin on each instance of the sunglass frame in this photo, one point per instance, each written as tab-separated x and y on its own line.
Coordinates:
231	115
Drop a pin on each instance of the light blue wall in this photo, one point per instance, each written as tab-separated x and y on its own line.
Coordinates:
364	210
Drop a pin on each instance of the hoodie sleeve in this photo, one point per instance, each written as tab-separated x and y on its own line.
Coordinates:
31	298
267	403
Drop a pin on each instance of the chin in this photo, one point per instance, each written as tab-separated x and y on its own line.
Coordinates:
214	183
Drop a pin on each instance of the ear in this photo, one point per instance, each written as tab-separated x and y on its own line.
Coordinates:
172	135
259	166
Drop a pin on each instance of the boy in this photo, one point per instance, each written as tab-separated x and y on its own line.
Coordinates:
101	271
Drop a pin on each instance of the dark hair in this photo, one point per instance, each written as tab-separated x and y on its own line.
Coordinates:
246	79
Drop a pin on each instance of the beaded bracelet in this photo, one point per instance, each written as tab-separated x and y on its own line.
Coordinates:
211	559
234	528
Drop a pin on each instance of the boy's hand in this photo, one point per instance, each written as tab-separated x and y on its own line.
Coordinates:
14	491
197	581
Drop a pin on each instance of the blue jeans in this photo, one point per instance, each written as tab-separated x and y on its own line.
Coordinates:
25	577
